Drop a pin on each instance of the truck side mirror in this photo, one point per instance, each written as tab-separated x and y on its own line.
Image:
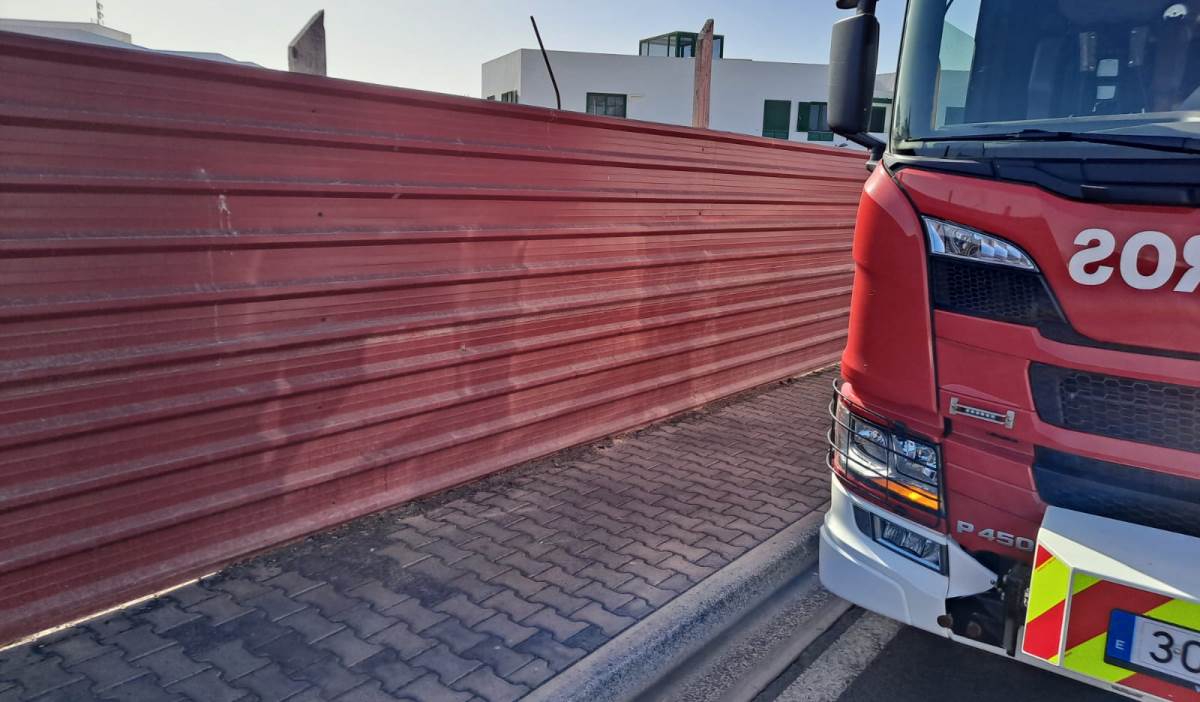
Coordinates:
853	59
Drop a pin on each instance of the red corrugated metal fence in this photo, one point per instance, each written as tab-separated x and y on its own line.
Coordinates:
242	305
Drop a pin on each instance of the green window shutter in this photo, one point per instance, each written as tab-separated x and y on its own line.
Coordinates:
878	119
803	113
820	117
777	116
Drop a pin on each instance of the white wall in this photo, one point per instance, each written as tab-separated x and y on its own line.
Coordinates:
659	89
501	75
739	88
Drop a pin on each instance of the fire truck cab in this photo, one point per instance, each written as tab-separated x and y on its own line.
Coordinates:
1015	439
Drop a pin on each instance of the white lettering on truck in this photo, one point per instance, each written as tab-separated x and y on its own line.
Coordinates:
1099	244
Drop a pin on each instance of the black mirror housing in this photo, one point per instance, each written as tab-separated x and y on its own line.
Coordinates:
853	60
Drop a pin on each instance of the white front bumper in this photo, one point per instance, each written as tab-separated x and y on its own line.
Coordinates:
857	569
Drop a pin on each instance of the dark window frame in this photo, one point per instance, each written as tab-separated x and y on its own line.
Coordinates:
609	101
777	129
804	116
878	126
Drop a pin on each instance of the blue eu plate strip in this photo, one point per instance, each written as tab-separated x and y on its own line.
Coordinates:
1120	635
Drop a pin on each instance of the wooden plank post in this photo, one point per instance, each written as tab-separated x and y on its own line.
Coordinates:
306	52
702	91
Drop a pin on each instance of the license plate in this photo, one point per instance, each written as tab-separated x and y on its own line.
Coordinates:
1153	647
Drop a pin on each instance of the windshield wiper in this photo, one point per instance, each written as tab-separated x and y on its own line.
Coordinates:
1137	141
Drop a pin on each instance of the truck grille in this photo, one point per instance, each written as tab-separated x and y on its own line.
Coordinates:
1118	492
1147	412
994	292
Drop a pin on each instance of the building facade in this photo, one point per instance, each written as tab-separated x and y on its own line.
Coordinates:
764	98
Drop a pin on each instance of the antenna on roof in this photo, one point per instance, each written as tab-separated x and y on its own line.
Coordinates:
99	13
546	58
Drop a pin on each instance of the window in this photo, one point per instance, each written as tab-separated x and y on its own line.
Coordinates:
509	96
610	104
777	117
679	44
878	119
812	117
491	97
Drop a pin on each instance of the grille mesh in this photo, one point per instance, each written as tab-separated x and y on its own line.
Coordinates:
994	292
1147	412
1118	492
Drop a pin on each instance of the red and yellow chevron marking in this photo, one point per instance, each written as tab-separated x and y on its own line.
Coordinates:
1047	605
1067	623
1092	601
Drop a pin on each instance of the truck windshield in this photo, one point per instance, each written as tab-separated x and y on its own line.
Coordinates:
971	69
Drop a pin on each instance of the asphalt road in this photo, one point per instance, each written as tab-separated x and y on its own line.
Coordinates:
873	659
921	667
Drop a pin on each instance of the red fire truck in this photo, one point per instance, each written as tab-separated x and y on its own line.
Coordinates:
1016	436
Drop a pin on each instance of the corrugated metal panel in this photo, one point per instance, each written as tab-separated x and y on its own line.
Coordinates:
241	305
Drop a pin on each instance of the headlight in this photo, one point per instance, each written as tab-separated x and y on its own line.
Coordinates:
901	466
902	540
946	239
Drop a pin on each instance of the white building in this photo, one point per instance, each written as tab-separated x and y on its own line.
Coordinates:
765	98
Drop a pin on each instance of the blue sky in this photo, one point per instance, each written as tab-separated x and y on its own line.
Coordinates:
440	44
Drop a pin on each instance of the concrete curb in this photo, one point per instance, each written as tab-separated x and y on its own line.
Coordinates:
646	652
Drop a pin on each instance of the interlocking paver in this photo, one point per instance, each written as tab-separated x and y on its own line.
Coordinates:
542	645
504	627
497	655
330	676
108	670
559	626
602	574
533	673
232	659
311	624
415	615
44	675
78	647
523	586
392	674
219	609
448	665
452	633
327	599
429	689
464	610
363	620
139	690
270	684
207	687
480	594
370	691
612	624
403	641
589	638
558	599
487	685
475	588
140	641
347	646
171	665
166	617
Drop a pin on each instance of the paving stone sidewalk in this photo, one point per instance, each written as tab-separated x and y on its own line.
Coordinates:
480	593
